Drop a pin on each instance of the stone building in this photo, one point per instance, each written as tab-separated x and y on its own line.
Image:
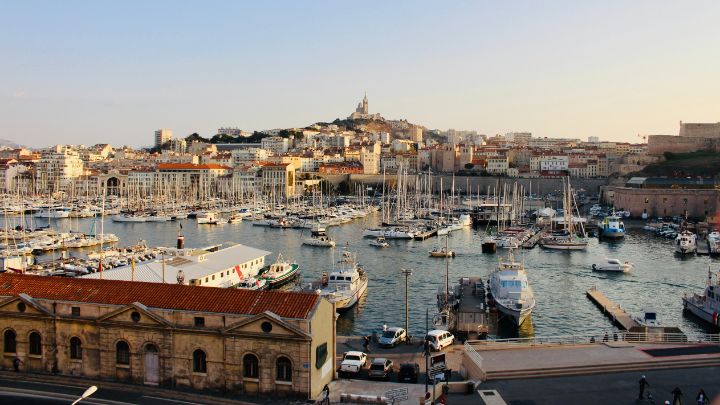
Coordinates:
269	342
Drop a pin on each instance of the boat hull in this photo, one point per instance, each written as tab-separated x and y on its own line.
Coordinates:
518	317
283	279
345	304
710	317
612	233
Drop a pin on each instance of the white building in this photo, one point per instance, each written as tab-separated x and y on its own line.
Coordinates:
223	268
554	163
161	136
249	155
57	169
275	144
497	165
234	131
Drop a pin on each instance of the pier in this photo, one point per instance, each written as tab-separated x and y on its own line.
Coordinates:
425	234
703	247
611	310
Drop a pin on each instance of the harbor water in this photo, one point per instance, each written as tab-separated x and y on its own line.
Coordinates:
559	279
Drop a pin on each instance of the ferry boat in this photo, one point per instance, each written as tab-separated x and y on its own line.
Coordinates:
707	305
511	291
685	243
209	218
281	272
442	252
346	283
611	227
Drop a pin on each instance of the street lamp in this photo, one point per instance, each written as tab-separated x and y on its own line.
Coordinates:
407	273
86	394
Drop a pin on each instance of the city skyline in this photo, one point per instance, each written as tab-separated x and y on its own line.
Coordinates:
83	73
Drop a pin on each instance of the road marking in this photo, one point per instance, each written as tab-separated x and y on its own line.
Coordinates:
170	400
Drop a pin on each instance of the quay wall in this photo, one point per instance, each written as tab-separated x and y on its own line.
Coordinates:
540	185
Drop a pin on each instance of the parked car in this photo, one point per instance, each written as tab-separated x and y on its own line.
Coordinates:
352	363
380	368
409	372
439	339
392	336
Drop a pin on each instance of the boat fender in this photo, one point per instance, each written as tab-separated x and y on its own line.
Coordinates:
715	318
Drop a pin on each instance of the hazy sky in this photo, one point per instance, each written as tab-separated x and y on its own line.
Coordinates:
102	71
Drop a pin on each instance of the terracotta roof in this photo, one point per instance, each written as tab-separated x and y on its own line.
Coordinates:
170	166
155	295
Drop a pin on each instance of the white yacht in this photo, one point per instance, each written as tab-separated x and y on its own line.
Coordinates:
707	305
613	265
346	283
129	218
685	243
511	291
53	212
208	217
379	242
319	241
390	233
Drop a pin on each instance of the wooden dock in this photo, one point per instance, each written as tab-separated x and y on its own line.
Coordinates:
530	243
611	310
426	234
703	247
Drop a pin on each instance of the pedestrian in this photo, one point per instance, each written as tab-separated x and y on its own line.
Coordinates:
677	396
702	397
326	395
605	338
366	344
16	363
643	384
384	327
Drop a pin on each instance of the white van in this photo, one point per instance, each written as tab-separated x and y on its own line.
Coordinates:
439	339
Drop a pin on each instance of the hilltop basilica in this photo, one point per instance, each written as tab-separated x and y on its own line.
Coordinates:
362	111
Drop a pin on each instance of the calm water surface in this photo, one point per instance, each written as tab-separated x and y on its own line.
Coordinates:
559	279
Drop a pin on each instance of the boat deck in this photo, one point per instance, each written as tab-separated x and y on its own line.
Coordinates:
426	234
611	310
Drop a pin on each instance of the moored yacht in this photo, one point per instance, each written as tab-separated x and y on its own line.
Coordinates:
346	283
281	272
511	291
379	242
208	217
612	227
685	243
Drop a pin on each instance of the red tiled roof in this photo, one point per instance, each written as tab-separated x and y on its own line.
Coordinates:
166	166
155	295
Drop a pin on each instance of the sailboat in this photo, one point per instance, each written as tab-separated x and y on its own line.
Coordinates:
567	240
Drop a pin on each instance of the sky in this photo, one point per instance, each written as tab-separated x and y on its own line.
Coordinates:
114	71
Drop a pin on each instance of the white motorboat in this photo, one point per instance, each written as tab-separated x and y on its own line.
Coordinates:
54	212
235	219
319	241
346	284
685	243
713	240
253	283
648	318
511	291
707	305
379	242
613	265
208	217
281	272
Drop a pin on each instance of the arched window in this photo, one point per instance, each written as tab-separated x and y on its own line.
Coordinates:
250	366
199	361
9	343
75	348
122	352
283	369
35	343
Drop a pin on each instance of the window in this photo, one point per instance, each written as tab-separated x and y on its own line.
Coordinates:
122	352
35	344
199	361
21	306
283	369
321	354
75	311
75	348
135	316
9	342
199	321
250	366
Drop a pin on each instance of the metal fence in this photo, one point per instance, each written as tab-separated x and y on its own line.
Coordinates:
603	337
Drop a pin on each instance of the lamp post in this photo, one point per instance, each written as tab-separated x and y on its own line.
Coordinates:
407	273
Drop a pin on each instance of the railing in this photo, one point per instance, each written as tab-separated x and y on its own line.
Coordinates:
604	337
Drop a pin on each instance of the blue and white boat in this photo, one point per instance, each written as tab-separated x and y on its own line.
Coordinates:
611	227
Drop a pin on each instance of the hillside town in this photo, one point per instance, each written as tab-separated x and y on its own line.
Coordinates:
289	160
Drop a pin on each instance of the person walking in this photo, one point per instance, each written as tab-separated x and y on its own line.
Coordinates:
643	384
702	397
677	396
366	344
326	395
384	327
16	363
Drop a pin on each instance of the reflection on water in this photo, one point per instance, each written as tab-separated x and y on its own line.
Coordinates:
559	279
